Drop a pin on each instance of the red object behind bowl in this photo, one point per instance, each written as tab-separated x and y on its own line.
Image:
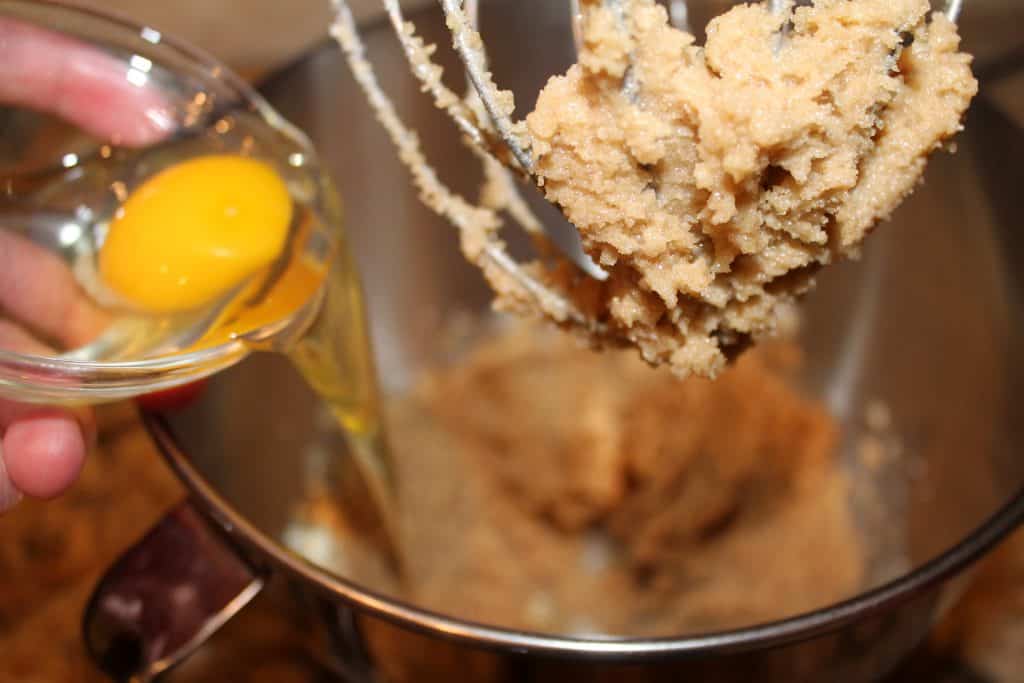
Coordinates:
171	400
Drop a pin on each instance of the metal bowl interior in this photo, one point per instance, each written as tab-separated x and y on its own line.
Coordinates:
927	321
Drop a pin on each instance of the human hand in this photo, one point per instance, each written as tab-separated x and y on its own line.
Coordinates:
42	448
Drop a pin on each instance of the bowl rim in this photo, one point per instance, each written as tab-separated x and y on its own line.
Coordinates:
807	626
106	379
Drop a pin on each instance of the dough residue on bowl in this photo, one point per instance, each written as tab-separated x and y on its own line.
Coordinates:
714	190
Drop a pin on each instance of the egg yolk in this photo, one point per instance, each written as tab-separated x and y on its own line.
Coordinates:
300	280
194	231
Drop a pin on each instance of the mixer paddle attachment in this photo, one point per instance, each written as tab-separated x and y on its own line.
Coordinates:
484	116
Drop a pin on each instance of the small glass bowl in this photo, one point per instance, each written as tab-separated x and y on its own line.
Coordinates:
196	94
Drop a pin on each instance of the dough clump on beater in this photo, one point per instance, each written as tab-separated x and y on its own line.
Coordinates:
714	190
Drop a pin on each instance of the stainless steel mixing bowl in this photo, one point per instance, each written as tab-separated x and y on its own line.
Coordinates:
929	322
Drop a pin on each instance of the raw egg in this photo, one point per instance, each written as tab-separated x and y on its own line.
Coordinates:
194	231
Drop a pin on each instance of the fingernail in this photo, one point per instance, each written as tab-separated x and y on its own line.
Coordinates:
9	496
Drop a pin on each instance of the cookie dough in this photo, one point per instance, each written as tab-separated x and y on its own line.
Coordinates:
713	183
535	475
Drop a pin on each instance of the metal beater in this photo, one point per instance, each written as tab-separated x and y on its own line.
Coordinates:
484	117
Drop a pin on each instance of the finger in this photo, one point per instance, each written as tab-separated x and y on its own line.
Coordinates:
12	413
50	72
39	291
13	338
42	450
44	453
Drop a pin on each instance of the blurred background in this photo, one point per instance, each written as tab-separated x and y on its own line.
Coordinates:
253	36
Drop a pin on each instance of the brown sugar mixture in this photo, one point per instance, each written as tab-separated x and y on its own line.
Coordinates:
547	488
716	185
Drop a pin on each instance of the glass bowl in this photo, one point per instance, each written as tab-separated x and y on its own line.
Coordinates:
61	177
